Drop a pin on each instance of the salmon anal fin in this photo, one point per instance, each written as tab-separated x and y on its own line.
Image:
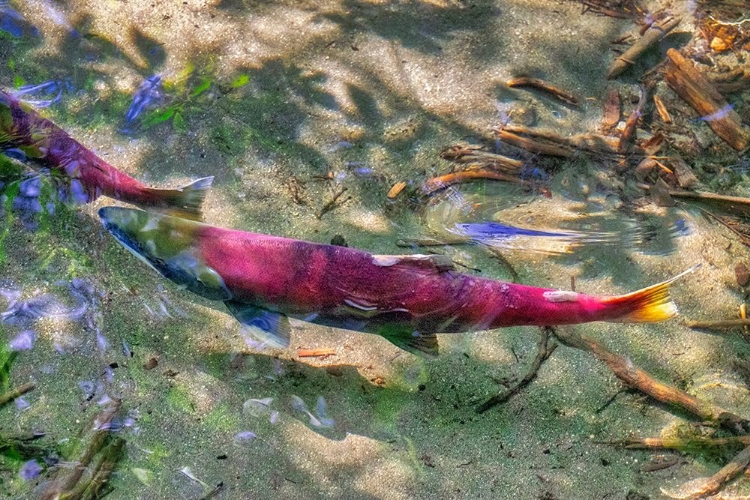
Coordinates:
404	337
267	326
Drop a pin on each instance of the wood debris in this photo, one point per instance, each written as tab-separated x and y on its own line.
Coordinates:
550	143
314	353
653	34
699	93
633	376
536	83
472	154
333	203
16	393
726	323
396	190
662	110
545	348
436	184
612	110
628	133
702	488
734	205
680	443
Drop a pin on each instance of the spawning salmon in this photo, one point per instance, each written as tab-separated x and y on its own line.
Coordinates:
407	299
85	174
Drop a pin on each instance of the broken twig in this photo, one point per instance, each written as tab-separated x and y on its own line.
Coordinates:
474	154
536	83
16	393
723	323
545	348
731	470
333	203
686	443
314	353
432	186
632	376
656	32
699	93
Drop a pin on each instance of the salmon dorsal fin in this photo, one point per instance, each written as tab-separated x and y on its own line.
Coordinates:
269	327
437	263
404	337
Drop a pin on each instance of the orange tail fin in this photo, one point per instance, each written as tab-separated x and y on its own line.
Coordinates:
647	305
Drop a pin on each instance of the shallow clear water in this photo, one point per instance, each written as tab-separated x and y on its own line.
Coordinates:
306	114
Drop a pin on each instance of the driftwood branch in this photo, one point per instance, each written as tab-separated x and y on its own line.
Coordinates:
432	186
633	376
656	32
552	144
725	323
545	348
16	393
94	439
699	93
536	83
475	155
731	470
688	443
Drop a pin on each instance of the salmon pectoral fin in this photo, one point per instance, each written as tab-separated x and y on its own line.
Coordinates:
647	305
185	202
266	326
404	337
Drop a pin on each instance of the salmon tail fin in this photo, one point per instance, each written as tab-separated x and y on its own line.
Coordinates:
647	305
185	202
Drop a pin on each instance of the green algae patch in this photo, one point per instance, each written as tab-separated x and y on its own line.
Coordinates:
222	418
180	399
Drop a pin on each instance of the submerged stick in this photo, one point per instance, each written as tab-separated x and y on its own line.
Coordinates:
105	464
612	110
533	145
333	203
536	83
432	186
93	440
734	204
725	323
16	393
432	242
314	353
699	93
656	32
474	154
632	376
631	124
679	443
731	470
551	143
544	351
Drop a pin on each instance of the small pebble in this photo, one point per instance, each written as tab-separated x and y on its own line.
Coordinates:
742	273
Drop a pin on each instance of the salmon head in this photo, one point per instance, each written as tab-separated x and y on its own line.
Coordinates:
169	245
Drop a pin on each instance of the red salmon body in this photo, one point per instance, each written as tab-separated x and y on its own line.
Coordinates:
86	175
302	277
404	298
